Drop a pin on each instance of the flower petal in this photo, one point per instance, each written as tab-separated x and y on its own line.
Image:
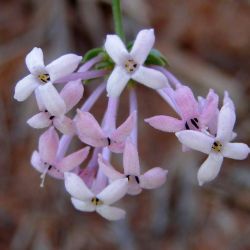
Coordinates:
237	151
34	61
150	77
131	162
48	145
83	205
52	100
76	187
196	140
133	186
89	130
165	123
117	81
210	168
40	120
72	94
39	101
63	66
228	100
111	213
153	178
226	121
143	44
116	49
37	162
64	125
25	87
73	160
114	191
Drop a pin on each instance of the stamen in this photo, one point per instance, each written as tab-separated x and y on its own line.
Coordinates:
137	179
217	146
44	174
130	65
186	126
96	201
128	176
194	123
44	78
109	141
52	117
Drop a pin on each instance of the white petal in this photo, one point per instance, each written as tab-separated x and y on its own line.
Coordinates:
143	44
37	162
76	187
39	100
25	87
40	120
196	140
111	213
237	151
52	100
84	206
34	61
64	125
117	81
150	77
116	49
63	66
210	168
114	191
226	122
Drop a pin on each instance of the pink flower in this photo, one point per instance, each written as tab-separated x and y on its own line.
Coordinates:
71	94
153	178
45	161
85	200
42	78
90	132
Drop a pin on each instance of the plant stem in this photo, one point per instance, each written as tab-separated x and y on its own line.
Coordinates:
117	16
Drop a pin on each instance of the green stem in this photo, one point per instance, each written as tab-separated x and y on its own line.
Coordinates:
117	16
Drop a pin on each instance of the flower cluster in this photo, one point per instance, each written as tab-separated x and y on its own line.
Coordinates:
96	184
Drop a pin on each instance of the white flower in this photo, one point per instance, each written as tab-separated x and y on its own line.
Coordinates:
42	78
217	148
85	200
129	65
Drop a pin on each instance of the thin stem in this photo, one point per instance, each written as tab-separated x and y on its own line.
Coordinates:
133	107
117	16
89	64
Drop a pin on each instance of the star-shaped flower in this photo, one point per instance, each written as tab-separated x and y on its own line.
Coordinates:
85	200
216	147
42	78
45	159
153	178
129	65
71	94
90	132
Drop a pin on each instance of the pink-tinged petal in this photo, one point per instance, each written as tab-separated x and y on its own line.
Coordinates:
133	186
226	121
108	169
73	160
237	151
34	61
150	77
37	162
196	140
153	178
89	130
72	93
131	162
40	120
210	168
117	81
143	44
48	145
25	87
63	66
111	213
186	102
165	123
64	125
83	205
76	187
114	191
116	49
52	100
39	101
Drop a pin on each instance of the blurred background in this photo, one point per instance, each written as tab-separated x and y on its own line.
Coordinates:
207	44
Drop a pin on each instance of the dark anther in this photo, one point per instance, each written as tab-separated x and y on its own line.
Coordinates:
137	179
127	176
43	80
46	111
109	141
135	65
50	166
215	144
194	123
196	119
52	117
186	126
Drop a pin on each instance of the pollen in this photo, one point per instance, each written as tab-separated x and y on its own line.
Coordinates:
95	201
217	146
130	65
44	78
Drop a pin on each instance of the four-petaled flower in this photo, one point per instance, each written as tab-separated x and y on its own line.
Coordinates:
42	78
129	65
216	147
153	178
85	200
